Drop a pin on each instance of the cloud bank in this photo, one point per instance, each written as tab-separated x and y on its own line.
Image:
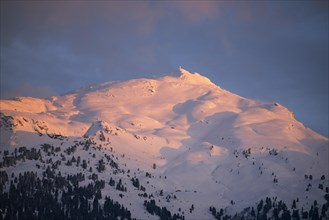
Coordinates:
272	50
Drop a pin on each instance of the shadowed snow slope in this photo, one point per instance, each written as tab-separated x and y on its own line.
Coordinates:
213	146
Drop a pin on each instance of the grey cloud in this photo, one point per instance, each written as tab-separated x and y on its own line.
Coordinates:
273	51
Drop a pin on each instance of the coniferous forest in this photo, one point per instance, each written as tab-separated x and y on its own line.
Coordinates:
43	192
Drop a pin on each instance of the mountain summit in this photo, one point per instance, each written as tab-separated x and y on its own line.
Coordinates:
193	77
191	145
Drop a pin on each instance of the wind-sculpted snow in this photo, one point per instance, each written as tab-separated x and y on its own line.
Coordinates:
190	144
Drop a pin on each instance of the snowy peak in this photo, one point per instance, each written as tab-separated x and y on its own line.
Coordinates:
155	105
180	140
193	77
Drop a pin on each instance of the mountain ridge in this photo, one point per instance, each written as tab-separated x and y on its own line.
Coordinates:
198	141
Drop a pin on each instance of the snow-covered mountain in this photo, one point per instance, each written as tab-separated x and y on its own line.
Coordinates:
178	140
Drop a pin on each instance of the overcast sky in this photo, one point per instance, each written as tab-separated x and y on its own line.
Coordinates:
272	51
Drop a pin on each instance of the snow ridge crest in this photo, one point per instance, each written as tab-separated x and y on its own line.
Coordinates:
193	77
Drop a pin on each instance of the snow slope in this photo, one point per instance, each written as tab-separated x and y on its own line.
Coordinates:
208	146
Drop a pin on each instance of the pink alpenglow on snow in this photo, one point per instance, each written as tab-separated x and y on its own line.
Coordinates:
186	140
